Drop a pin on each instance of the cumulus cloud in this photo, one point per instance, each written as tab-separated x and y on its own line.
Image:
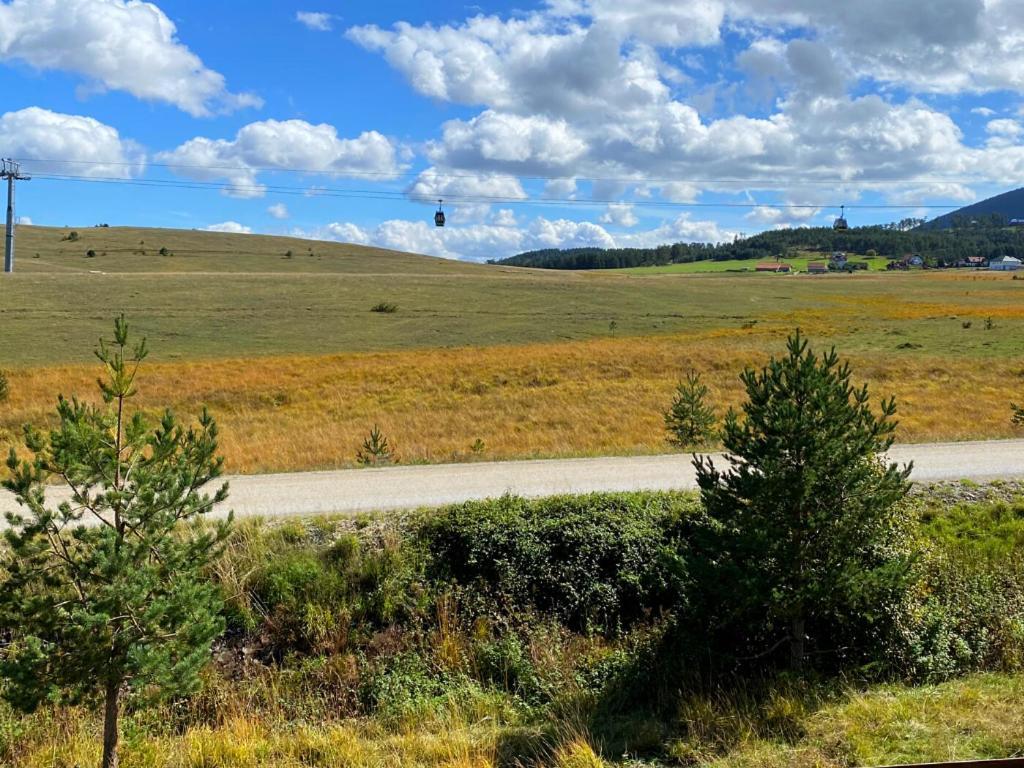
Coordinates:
582	90
282	145
947	47
316	20
517	143
231	227
435	184
85	146
278	211
122	45
620	215
501	238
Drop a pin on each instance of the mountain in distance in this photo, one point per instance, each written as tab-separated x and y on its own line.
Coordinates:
1005	207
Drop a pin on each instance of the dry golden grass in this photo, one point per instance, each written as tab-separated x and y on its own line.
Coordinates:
603	396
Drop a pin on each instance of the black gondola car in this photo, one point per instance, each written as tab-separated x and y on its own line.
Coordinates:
439	216
841	223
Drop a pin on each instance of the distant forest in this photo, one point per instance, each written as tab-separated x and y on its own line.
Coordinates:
988	237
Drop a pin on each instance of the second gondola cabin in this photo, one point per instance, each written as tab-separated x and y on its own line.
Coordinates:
439	216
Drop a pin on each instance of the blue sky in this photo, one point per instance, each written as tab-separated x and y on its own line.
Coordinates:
553	123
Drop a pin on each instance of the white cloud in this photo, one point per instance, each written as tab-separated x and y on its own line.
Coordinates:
621	215
1008	128
1003	133
278	211
315	20
505	218
983	111
581	91
435	184
560	189
25	221
521	144
658	22
282	145
231	227
122	45
501	238
86	146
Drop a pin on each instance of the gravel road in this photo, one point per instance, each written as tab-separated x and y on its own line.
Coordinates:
398	488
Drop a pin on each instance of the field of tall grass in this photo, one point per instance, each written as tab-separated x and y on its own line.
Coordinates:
604	396
278	337
407	642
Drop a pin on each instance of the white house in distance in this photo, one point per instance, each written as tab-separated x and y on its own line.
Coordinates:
1005	264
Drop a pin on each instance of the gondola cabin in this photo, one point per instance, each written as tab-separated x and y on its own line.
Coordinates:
841	223
439	216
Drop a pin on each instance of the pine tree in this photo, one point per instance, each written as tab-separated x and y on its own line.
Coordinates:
5	388
812	534
690	421
105	595
376	450
1018	415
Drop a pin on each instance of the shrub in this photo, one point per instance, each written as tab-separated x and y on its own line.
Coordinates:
164	251
90	254
376	450
305	603
595	563
384	307
968	611
967	324
5	387
1018	415
989	324
690	421
323	599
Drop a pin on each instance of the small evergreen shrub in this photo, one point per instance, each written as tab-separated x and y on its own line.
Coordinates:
376	450
690	421
384	308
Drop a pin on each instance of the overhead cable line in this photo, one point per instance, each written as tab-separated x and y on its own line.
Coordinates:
431	197
389	175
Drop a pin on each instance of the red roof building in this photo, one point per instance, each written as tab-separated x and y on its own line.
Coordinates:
773	266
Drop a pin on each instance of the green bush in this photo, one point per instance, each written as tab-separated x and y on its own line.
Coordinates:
596	563
327	599
968	611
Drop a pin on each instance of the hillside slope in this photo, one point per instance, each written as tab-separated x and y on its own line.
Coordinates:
136	249
1009	205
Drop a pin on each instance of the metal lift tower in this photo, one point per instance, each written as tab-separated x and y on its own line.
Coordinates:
11	171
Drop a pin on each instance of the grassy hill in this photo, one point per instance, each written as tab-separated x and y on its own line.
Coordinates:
136	249
297	368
